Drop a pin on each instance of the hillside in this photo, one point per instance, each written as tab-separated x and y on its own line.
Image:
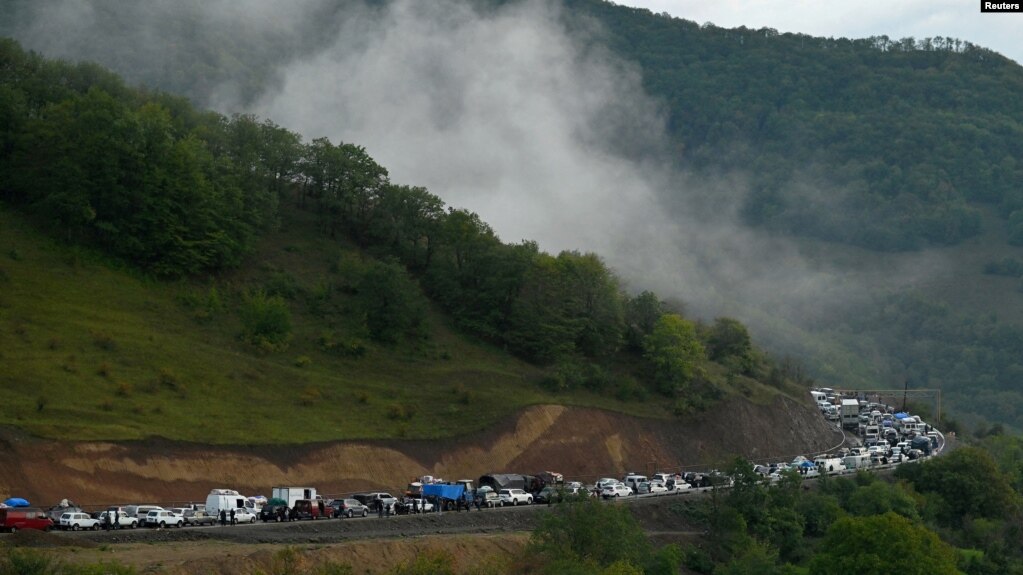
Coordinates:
860	187
96	352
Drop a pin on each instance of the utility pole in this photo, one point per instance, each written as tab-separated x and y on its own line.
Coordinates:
905	392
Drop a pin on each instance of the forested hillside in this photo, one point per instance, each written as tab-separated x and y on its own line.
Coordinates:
177	194
854	149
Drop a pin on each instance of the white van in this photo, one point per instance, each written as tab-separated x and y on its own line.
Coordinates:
633	480
226	499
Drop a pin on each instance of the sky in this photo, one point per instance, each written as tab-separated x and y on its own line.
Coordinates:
857	18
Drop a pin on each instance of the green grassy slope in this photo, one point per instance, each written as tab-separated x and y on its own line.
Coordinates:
92	351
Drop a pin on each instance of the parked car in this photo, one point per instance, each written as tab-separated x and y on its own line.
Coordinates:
349	508
549	494
369	500
140	511
198	517
514	497
423	505
77	520
488	497
633	480
244	515
308	509
163	518
117	518
652	487
616	490
14	518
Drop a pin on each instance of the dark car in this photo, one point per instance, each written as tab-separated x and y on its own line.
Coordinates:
349	508
309	509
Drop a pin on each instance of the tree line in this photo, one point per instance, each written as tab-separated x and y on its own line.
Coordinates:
176	191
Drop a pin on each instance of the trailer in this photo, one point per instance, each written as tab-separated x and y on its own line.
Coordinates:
850	413
293	494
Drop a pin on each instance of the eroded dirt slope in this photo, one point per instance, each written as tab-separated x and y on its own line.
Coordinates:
581	443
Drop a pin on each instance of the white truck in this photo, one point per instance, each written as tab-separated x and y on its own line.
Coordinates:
857	461
829	464
293	494
226	499
850	413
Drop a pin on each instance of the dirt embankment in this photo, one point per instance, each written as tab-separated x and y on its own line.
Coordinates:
581	443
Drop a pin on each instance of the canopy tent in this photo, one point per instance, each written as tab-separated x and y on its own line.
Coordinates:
901	415
276	501
17	502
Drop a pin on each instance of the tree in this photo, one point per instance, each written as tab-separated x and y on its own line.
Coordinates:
728	341
641	315
390	301
968	482
589	537
880	545
674	352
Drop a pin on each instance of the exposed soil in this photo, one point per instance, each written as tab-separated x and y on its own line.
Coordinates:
584	444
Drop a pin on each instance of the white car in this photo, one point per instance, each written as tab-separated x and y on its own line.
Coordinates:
422	505
243	515
514	497
677	485
76	521
655	486
163	518
602	483
616	490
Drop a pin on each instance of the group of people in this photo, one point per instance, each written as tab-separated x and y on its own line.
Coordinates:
226	515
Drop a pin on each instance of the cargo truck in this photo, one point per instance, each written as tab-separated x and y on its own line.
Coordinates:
850	413
293	494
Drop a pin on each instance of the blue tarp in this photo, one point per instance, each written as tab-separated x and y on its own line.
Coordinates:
806	464
444	491
16	502
901	415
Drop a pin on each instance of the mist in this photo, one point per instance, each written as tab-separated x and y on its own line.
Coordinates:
548	138
504	112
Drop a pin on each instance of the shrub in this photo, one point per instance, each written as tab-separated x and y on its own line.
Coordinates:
103	369
303	361
310	395
123	390
400	412
103	341
266	320
41	402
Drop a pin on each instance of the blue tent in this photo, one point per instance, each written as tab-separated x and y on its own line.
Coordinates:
16	502
807	464
901	415
452	492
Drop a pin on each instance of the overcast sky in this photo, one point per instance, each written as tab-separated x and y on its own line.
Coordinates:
857	18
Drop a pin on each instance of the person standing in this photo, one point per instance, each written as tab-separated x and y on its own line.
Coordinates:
117	520
232	516
223	517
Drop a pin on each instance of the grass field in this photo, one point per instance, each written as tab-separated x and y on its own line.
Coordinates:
90	350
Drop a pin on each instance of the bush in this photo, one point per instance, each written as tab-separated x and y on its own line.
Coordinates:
400	412
104	341
266	320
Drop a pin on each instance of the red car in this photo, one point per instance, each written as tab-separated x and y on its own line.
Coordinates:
15	518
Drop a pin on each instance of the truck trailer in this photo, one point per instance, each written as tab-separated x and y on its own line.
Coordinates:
850	413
